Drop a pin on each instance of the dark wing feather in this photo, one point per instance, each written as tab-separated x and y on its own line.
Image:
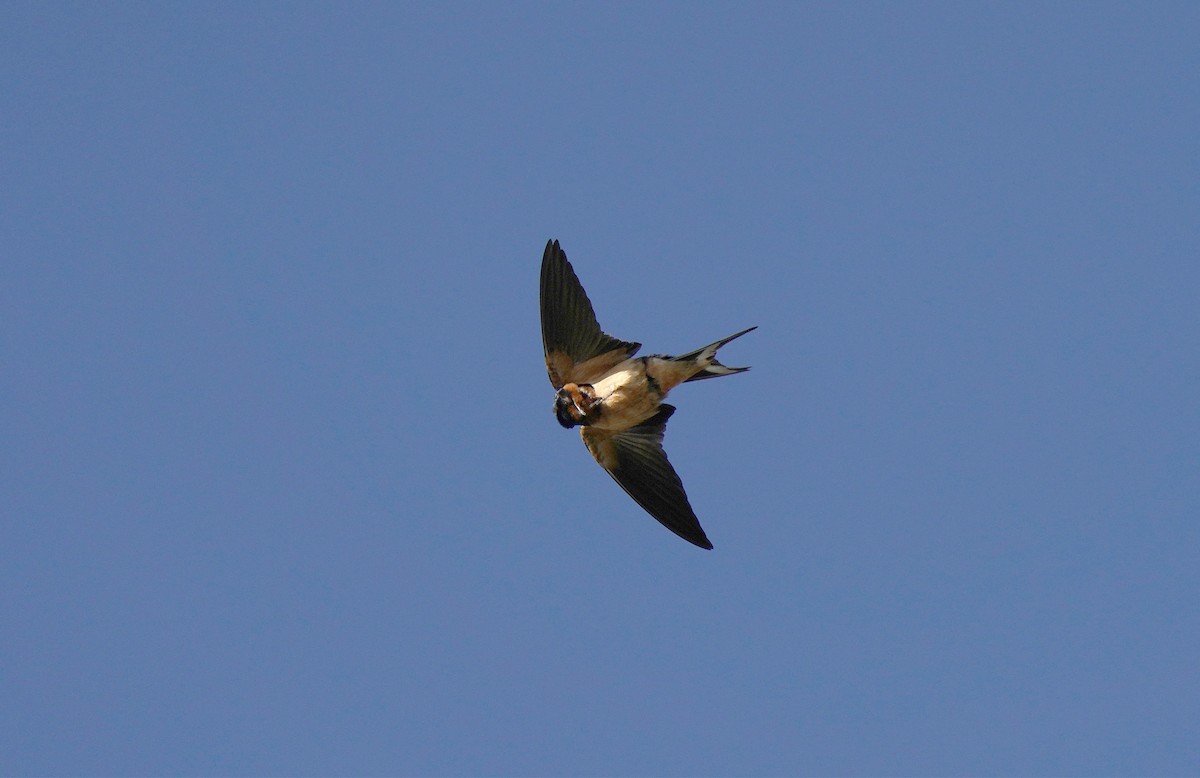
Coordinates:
570	333
637	462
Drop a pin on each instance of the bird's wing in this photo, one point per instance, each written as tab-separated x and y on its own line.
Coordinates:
637	462
576	349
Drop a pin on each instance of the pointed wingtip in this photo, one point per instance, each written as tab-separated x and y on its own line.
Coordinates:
697	539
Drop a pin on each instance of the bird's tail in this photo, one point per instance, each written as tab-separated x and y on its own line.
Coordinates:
707	356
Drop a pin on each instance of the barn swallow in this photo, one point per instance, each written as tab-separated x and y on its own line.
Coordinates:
617	399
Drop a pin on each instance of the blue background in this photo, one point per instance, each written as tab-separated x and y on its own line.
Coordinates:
282	491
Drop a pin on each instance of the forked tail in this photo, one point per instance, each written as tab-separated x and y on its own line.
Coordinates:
708	355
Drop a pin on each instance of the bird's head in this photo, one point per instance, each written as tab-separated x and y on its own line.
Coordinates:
565	411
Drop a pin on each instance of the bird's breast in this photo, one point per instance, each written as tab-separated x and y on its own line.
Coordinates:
626	398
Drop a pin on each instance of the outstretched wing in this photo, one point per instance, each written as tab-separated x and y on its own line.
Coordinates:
637	462
576	349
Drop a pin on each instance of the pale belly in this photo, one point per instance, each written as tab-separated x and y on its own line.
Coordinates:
626	398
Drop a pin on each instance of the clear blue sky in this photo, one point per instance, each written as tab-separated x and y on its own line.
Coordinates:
281	487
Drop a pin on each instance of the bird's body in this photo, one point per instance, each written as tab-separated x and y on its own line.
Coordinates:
626	396
617	398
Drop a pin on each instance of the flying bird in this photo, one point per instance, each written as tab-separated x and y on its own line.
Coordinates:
617	399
